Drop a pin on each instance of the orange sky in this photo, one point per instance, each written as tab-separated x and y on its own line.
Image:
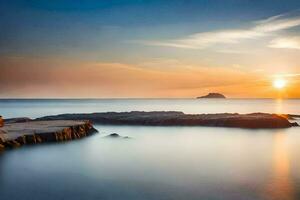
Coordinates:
149	49
49	77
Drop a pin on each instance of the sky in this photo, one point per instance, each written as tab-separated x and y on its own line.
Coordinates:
149	48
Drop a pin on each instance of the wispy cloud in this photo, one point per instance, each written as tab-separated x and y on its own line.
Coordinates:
286	43
231	36
287	75
206	39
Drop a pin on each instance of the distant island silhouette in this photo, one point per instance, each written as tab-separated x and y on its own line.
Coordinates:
213	95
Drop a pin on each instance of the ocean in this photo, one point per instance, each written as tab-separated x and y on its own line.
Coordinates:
156	163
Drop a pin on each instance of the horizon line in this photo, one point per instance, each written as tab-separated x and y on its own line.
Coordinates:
136	98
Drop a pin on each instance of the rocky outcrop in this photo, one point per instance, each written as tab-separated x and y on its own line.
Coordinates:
212	95
1	121
254	120
34	132
292	116
17	120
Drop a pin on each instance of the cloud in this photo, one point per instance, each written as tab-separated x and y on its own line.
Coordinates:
276	23
286	43
287	75
207	39
204	40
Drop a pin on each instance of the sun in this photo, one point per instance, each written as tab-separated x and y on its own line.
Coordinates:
279	83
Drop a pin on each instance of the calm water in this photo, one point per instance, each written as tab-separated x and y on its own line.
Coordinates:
157	163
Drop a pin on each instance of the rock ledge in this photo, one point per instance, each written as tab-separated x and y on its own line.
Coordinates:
34	132
171	118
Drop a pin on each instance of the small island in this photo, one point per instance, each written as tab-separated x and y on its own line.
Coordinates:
212	96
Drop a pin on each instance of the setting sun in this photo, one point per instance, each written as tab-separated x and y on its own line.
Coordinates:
279	83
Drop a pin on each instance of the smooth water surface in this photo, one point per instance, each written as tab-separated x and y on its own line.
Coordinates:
156	163
39	108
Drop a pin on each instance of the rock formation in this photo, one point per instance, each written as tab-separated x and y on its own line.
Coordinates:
254	120
213	95
18	119
1	121
291	116
34	132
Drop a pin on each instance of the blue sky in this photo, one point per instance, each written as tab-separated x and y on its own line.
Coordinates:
153	34
50	26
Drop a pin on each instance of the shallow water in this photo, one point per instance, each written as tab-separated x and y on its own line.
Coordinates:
157	162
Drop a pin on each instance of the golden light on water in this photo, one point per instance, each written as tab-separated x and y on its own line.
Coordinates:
278	105
281	185
279	83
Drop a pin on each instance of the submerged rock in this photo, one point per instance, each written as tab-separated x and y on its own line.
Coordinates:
116	135
213	95
254	120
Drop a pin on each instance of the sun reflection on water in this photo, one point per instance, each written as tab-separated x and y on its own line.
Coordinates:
280	186
278	108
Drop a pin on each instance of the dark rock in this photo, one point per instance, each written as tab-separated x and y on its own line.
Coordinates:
17	120
213	95
1	122
254	120
291	116
115	135
295	124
